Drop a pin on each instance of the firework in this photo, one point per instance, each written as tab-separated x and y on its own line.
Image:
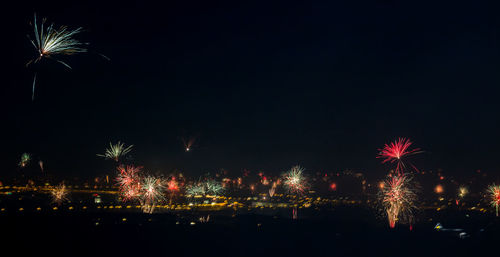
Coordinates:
59	194
152	190
206	187
398	197
462	191
272	190
129	181
25	159
204	219
213	187
173	185
40	163
116	151
188	143
195	189
396	151
295	181
494	192
51	42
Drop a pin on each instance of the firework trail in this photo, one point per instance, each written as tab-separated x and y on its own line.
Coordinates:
151	193
398	199
116	151
25	160
272	190
396	151
128	180
33	88
188	143
494	192
51	42
204	219
40	163
59	194
295	181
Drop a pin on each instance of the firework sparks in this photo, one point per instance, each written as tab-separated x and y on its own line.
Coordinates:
25	159
59	194
206	187
129	181
494	192
173	185
396	151
463	191
196	189
50	42
116	151
213	187
398	197
295	181
151	193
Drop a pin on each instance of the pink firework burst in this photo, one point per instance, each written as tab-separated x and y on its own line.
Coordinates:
396	151
129	181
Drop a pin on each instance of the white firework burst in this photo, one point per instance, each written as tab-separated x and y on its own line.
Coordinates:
116	151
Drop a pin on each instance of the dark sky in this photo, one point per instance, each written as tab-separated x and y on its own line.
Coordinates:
264	85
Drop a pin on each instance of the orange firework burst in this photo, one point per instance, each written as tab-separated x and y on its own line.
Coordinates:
398	197
59	194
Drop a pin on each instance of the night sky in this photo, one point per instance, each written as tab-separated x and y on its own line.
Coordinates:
263	85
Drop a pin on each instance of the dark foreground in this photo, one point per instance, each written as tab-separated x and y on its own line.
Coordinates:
344	232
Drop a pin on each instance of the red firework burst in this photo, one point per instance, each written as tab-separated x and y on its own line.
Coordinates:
129	181
173	185
395	151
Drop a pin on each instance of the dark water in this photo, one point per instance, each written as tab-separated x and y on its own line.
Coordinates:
343	232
